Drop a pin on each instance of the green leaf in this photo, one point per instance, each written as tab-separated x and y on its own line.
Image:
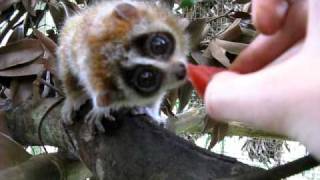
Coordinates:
187	3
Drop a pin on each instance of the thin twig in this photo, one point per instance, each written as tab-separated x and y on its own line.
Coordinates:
52	87
221	16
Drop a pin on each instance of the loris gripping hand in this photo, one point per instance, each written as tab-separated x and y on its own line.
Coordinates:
120	54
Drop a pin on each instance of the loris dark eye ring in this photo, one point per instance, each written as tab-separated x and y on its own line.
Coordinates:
159	44
146	79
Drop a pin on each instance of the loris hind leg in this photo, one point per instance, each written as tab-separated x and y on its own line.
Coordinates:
75	97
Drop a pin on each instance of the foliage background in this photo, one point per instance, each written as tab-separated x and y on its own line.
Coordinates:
29	30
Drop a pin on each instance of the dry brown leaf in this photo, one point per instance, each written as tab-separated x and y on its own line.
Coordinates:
29	5
26	70
20	52
197	29
5	4
249	33
231	47
199	58
11	153
219	53
217	130
213	62
233	32
247	7
58	14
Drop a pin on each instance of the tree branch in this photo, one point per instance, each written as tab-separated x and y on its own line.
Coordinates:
282	171
132	148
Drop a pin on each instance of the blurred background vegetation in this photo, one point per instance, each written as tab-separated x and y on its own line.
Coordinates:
221	29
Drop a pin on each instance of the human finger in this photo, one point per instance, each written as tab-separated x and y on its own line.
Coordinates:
265	48
268	16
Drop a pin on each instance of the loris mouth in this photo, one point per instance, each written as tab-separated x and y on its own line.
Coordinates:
146	80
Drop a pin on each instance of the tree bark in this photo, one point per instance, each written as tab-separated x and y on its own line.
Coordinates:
132	148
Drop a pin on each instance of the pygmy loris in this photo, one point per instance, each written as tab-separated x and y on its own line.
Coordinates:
120	54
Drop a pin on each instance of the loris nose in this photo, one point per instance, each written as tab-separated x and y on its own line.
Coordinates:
180	71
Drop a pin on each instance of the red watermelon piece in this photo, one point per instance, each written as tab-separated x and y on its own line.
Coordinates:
200	75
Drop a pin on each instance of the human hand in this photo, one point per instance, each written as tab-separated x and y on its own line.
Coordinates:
284	97
283	23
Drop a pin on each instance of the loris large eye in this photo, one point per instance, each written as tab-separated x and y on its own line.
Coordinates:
144	79
158	45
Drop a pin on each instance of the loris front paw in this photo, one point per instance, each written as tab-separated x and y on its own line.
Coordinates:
67	113
69	109
94	120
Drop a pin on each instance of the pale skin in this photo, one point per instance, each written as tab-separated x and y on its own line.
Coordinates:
283	96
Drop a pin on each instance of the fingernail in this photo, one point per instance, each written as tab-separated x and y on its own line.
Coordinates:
282	8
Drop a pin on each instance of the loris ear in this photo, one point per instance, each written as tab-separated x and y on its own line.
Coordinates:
126	11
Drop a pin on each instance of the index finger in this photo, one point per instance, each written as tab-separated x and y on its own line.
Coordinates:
266	48
269	16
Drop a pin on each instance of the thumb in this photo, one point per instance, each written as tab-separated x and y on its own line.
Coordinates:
234	97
